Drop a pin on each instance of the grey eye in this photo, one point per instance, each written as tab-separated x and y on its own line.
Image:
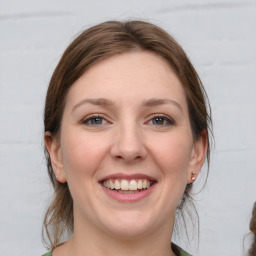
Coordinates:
158	121
96	120
161	120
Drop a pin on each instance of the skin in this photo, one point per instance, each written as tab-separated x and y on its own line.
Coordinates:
144	128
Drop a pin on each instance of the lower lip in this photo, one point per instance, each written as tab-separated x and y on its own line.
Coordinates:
128	197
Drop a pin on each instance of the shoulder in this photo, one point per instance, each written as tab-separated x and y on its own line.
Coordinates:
47	254
179	251
183	253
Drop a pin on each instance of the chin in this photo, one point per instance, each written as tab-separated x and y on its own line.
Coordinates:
130	225
128	232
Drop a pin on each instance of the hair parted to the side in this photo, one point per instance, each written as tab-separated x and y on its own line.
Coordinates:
95	44
252	251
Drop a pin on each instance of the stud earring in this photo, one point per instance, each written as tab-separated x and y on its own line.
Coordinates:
193	178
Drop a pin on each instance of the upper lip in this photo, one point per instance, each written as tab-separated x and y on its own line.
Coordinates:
127	177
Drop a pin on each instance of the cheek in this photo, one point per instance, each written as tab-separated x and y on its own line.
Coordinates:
172	153
82	154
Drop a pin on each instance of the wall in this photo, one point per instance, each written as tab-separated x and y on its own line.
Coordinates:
220	38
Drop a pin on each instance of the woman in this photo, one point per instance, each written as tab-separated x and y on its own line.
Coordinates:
126	134
252	251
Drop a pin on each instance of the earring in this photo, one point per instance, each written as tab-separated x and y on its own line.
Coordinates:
193	174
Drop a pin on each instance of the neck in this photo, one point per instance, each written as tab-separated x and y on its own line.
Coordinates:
108	246
87	240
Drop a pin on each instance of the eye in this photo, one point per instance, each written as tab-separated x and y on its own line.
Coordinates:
161	120
94	120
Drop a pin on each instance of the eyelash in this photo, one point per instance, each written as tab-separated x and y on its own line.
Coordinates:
166	121
89	118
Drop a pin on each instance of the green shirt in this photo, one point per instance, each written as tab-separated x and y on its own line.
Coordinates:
47	254
182	253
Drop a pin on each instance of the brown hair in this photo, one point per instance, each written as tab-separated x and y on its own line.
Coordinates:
92	45
252	251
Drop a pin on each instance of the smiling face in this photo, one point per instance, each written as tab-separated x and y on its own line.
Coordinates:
125	146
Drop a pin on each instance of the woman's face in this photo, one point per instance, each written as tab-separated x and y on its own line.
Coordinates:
126	147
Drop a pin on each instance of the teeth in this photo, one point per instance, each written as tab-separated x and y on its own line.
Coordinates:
133	185
140	184
117	184
112	185
144	184
124	184
127	185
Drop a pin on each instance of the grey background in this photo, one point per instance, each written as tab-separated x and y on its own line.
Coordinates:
220	38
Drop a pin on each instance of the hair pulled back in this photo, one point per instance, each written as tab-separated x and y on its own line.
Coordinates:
95	44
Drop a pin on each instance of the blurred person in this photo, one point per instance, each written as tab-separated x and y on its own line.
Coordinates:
252	251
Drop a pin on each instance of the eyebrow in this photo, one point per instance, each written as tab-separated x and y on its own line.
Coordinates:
146	103
157	102
97	101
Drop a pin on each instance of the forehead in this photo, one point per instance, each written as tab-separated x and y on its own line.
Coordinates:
132	76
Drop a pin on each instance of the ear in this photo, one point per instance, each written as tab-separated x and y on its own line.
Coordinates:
197	157
53	147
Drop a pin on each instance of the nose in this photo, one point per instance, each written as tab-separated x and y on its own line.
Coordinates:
128	144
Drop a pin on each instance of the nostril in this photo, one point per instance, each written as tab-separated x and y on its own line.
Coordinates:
128	146
128	157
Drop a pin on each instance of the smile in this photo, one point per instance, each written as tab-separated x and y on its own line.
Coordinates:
127	186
